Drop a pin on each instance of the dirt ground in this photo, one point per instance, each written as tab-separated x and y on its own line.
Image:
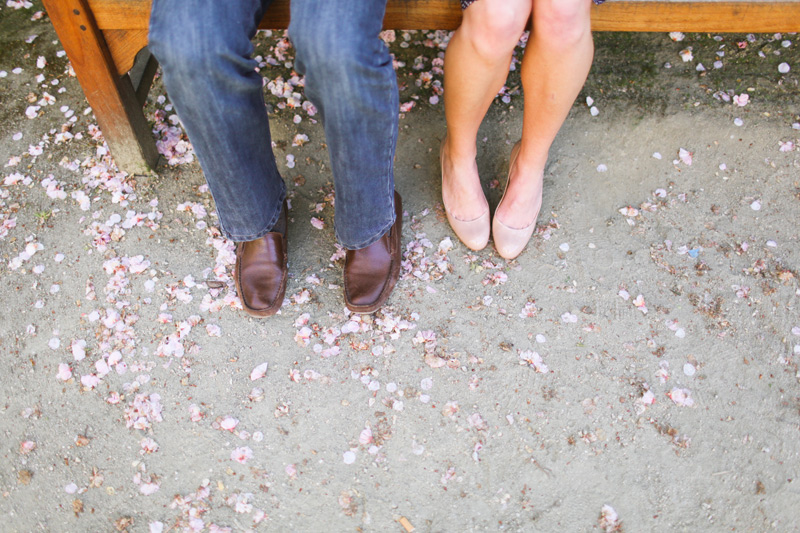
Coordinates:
636	369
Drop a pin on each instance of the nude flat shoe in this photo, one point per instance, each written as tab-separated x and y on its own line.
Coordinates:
473	233
509	241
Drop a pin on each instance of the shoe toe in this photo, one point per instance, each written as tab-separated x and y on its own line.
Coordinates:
261	273
263	286
473	233
510	242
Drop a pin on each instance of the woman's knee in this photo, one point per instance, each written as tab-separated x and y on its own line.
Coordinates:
495	27
561	22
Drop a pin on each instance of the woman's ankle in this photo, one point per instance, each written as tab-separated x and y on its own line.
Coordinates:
459	153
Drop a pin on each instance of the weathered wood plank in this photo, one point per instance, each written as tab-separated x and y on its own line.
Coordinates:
124	45
614	15
111	96
710	16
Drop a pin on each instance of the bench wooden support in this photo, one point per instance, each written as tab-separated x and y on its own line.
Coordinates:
103	37
112	97
142	74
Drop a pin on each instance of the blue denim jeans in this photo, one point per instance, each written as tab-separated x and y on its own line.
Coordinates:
206	56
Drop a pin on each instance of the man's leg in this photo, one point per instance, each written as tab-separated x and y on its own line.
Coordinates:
205	51
350	79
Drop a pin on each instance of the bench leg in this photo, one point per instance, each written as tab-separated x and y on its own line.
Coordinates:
111	96
143	73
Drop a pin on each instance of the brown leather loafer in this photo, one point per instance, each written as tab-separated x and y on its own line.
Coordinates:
371	273
261	271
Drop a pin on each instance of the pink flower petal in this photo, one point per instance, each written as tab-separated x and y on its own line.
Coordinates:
228	423
259	372
681	397
64	372
241	455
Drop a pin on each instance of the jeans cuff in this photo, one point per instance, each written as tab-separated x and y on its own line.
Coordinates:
370	240
257	235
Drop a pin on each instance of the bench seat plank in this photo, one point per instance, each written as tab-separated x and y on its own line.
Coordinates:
614	15
125	22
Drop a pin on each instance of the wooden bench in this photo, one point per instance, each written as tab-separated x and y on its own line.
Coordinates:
103	39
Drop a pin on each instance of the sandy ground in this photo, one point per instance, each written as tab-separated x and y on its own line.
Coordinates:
635	369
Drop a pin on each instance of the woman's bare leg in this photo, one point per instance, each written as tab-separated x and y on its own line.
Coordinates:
476	67
554	69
